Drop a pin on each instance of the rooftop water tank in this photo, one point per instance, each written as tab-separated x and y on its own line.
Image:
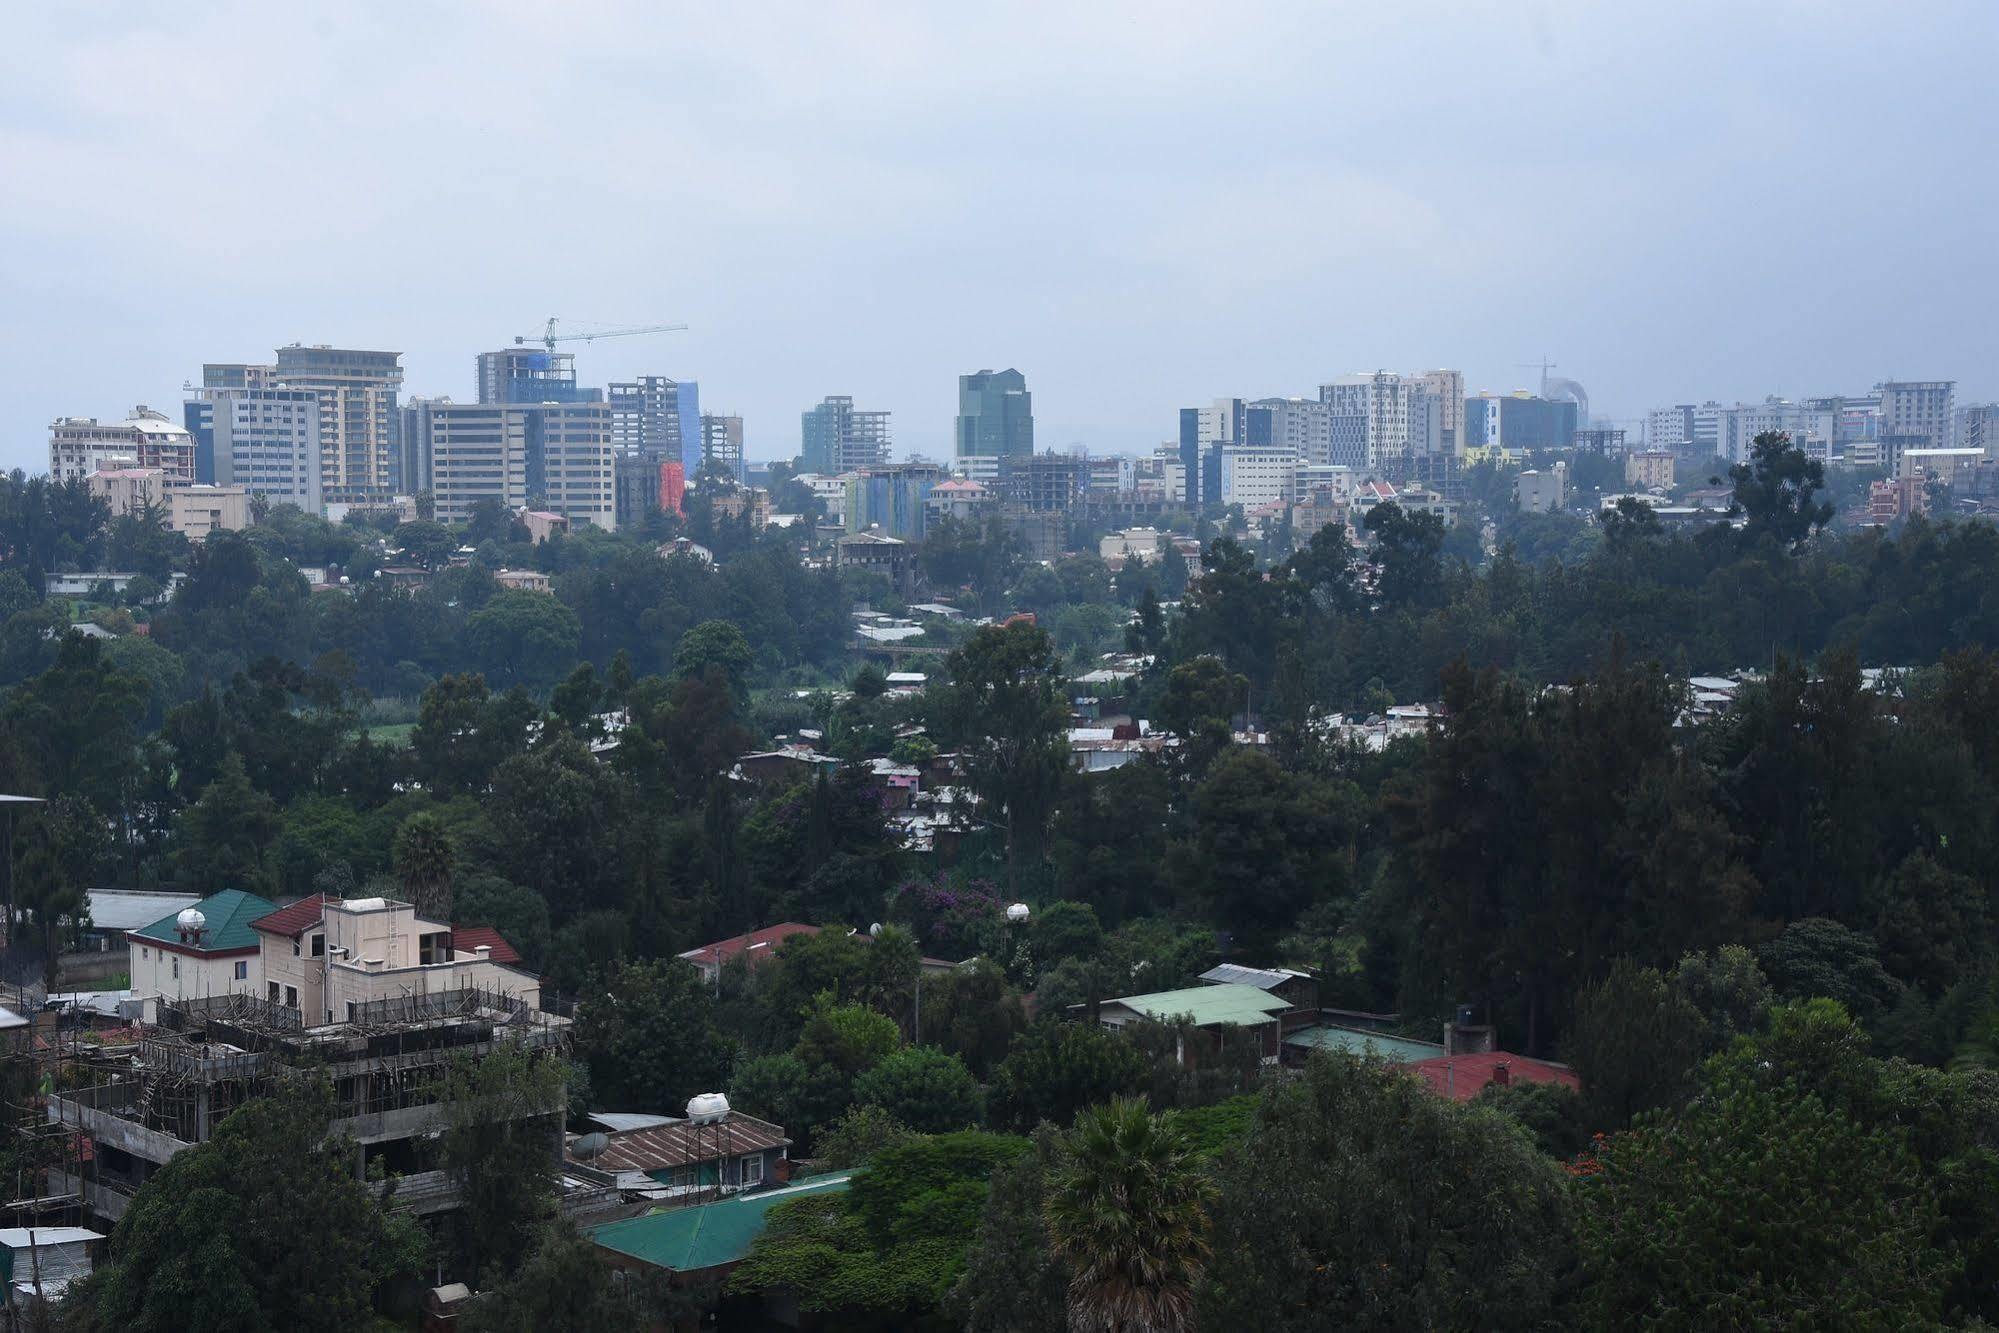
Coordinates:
706	1108
191	919
1017	912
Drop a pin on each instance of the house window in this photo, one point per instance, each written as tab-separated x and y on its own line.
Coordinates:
291	997
753	1171
295	949
242	970
274	992
176	969
350	1011
319	946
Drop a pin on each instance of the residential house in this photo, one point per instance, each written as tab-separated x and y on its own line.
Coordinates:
203	950
1219	1011
543	524
752	948
329	959
524	580
1299	990
789	764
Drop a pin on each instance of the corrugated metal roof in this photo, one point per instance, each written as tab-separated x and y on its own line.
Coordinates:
620	1122
1207	1005
1263	978
681	1142
1354	1041
709	1235
131	909
229	915
17	1238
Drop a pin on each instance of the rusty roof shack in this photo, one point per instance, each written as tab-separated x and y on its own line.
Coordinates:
711	1153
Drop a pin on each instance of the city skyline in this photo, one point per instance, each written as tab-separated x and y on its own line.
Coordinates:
822	233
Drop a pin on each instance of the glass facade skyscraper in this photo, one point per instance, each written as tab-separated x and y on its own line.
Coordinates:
995	415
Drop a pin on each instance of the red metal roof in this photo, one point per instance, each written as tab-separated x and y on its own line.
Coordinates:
1463	1077
464	939
293	918
758	944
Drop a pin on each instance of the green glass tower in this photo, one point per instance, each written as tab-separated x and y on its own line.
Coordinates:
995	415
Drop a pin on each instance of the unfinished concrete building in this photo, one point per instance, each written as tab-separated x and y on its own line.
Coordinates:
388	1067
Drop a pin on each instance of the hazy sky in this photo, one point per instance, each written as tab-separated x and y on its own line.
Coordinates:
1142	206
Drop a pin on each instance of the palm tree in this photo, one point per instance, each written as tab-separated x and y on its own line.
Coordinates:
423	856
1127	1211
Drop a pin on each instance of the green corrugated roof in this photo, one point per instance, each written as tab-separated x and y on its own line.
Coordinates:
229	915
1233	1003
708	1235
1381	1046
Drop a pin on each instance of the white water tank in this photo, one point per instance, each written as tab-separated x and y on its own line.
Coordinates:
1017	913
191	921
706	1108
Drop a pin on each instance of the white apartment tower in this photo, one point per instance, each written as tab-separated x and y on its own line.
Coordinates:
360	425
557	454
79	446
1374	408
267	440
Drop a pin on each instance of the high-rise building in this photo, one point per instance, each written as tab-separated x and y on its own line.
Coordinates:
1302	425
1439	397
1044	483
1915	414
722	443
1509	425
1375	407
264	438
834	438
1256	474
637	489
658	418
995	415
552	455
79	446
1976	426
414	442
531	375
360	426
1204	433
891	498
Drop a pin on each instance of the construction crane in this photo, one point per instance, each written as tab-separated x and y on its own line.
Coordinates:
1544	365
549	337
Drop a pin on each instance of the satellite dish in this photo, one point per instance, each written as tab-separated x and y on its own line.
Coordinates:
589	1146
875	930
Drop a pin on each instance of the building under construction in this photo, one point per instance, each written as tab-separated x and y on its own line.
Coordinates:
117	1114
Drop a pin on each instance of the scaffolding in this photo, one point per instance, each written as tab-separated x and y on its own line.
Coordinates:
166	1087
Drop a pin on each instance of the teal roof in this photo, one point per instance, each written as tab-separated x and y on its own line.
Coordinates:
1378	1045
709	1235
229	915
1207	1005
